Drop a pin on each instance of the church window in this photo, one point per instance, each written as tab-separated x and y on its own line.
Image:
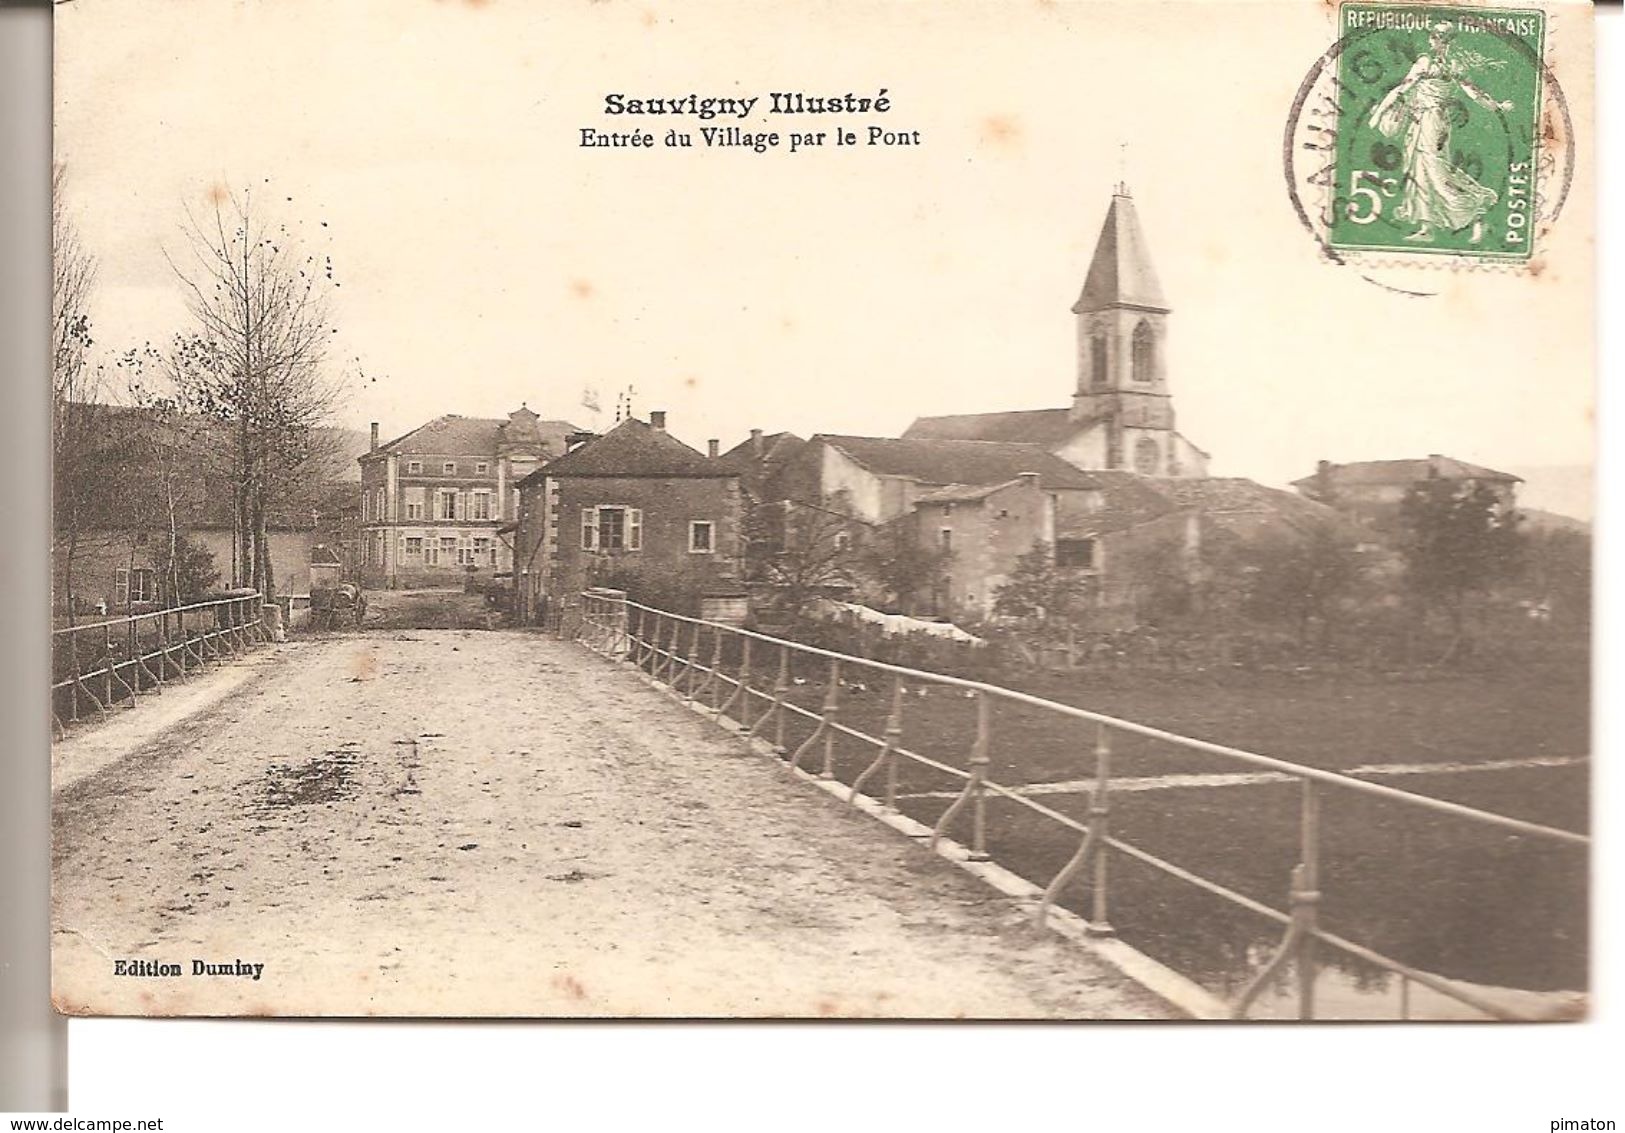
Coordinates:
1097	358
1146	455
1142	354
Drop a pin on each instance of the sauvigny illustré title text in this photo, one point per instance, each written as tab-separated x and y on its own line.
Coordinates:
811	134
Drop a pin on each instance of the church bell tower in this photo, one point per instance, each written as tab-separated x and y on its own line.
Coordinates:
1122	323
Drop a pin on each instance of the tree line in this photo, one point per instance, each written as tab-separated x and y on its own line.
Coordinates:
226	416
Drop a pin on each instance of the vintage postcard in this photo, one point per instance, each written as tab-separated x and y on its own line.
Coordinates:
857	509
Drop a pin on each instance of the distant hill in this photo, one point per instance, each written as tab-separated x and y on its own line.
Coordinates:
1562	489
1538	519
346	445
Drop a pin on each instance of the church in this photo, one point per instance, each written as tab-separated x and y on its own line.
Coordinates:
1122	414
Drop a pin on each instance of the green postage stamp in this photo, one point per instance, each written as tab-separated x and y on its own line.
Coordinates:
1437	139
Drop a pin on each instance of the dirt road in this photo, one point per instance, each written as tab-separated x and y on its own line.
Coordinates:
477	823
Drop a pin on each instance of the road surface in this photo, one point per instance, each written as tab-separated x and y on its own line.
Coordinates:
432	822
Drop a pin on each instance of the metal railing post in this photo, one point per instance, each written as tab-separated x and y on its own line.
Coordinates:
1100	819
691	667
832	705
887	758
1306	899
713	679
744	683
781	689
135	653
979	760
107	670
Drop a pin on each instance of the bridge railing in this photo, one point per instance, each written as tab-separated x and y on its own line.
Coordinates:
96	665
692	657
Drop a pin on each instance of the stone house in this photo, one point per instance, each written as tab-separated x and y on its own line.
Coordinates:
434	501
634	509
118	552
1371	491
984	530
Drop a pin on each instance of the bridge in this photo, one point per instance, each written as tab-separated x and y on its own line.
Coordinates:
462	822
647	815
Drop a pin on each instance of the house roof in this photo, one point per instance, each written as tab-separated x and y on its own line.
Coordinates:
1126	500
1233	495
961	493
943	462
1023	426
776	447
634	449
1407	472
454	435
1120	273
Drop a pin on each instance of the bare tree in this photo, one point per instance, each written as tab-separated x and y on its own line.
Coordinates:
76	388
801	550
255	361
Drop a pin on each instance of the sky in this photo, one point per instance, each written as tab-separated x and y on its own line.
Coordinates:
485	258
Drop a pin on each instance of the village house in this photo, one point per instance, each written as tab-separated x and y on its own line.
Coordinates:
433	500
1122	414
634	509
116	555
1371	491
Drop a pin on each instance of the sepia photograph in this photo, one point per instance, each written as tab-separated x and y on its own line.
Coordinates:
1068	511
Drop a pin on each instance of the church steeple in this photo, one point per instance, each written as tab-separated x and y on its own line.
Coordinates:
1122	323
1121	273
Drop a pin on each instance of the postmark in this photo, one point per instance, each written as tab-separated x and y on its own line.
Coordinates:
1430	134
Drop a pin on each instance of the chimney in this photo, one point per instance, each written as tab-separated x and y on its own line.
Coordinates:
1435	464
374	447
713	448
756	443
1028	479
657	419
573	441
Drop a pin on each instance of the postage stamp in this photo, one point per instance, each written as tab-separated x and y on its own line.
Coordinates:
1431	135
1438	133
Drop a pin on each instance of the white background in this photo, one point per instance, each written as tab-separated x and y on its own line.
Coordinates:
276	1075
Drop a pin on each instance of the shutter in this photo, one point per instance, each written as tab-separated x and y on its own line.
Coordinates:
589	529
634	529
121	587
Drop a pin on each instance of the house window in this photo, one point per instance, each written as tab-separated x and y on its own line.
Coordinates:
414	468
414	503
447	507
945	539
481	468
1075	554
414	546
484	553
611	529
481	506
465	553
431	553
843	540
1097	358
701	537
1143	353
448	548
449	468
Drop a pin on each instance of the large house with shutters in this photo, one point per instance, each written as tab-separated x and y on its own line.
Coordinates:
434	500
635	509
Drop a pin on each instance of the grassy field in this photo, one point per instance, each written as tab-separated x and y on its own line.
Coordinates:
1441	893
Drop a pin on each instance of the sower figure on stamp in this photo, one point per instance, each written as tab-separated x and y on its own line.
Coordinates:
1437	192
